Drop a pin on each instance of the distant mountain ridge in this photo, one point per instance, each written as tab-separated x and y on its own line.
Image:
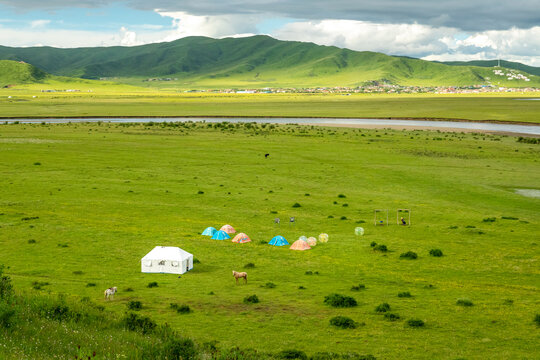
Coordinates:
256	61
494	63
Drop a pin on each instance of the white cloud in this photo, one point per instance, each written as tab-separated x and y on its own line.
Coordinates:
128	38
39	23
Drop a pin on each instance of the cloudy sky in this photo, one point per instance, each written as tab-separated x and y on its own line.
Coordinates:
428	29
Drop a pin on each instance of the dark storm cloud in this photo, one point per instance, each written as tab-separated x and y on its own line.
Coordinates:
468	15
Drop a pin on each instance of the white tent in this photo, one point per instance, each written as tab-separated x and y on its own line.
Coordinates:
167	259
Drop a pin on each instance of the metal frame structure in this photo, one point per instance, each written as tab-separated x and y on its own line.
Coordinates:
402	211
381	211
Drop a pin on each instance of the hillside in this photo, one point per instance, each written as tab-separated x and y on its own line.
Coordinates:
257	61
13	72
494	63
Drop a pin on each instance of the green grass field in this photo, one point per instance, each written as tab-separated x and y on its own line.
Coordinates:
130	101
97	197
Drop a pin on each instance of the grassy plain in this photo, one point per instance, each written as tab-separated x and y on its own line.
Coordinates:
129	101
97	197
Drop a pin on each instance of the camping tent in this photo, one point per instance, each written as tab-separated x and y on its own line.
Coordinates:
300	245
278	241
228	229
241	238
311	241
220	235
209	231
167	259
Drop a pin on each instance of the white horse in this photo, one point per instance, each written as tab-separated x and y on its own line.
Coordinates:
109	293
239	275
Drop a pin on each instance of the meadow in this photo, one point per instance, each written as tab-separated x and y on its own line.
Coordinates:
125	101
81	204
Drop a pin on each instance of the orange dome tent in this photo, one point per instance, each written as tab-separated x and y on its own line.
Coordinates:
300	245
228	229
241	238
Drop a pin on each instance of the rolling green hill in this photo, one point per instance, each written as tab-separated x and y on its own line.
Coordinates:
258	61
12	72
493	63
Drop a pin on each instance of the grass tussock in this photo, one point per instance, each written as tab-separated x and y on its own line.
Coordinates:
340	301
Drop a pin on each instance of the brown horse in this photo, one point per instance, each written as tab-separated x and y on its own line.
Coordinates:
239	275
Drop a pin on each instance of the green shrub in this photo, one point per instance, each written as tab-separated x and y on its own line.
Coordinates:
464	302
128	289
200	192
358	287
134	305
6	315
250	265
152	284
509	218
37	163
391	316
436	252
404	294
309	272
292	354
252	299
343	218
296	205
78	272
489	219
269	285
37	285
384	307
6	288
31	241
341	196
415	323
181	309
381	248
537	319
373	244
340	301
196	261
134	322
343	322
301	288
411	255
183	349
453	227
90	284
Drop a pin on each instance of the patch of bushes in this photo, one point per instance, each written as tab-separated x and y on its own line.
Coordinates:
330	216
340	301
269	285
373	244
360	222
415	323
91	285
152	284
404	294
509	218
129	289
63	245
134	305
37	285
343	322
508	302
527	140
78	272
470	227
537	320
348	356
292	354
179	349
436	252
358	287
464	302
384	307
249	265
453	227
296	205
343	218
489	220
341	196
411	255
200	192
6	288
31	241
6	315
345	205
196	261
252	299
381	248
181	309
306	194
37	163
391	316
301	288
134	322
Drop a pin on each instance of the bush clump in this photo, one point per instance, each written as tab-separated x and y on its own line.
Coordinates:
250	265
340	301
343	322
341	196
296	205
181	309
152	284
436	252
381	248
134	305
415	323
292	354
373	244
269	285
358	287
252	299
179	349
90	284
464	302
31	241
489	219
343	218
404	294
134	322
384	307
537	320
391	316
411	255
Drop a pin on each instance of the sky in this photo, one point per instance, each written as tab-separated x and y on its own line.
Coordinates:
457	30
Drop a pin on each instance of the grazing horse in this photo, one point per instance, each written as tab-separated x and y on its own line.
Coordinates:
238	275
109	293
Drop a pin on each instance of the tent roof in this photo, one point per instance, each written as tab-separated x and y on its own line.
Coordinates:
220	235
300	245
209	231
278	241
167	253
241	238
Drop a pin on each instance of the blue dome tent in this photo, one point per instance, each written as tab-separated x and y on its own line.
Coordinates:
209	231
278	241
220	235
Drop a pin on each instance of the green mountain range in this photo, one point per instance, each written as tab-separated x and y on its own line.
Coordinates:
495	63
252	62
13	72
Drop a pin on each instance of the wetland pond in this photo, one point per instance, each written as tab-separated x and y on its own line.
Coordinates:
357	123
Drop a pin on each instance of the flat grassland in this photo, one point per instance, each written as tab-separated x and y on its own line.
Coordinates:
95	198
128	101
